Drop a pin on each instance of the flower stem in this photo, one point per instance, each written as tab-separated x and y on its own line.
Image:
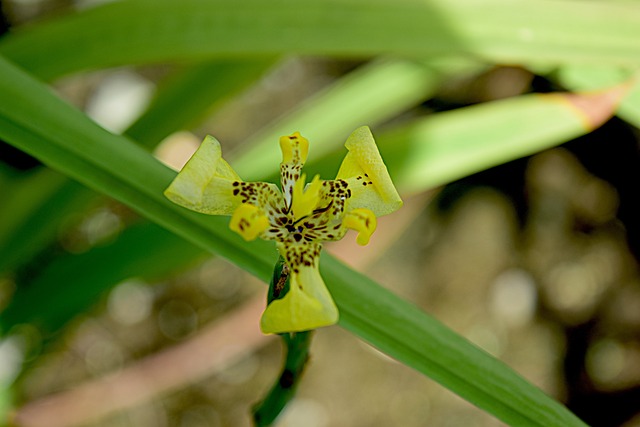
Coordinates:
297	353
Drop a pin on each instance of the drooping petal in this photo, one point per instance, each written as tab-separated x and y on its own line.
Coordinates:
209	185
249	221
308	304
363	221
369	181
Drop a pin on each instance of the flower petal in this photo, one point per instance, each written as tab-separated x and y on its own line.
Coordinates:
369	181
205	183
248	221
295	149
305	200
363	221
308	304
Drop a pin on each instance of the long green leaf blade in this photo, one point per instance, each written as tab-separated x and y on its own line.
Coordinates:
373	93
447	146
589	78
503	31
66	140
178	103
183	100
26	214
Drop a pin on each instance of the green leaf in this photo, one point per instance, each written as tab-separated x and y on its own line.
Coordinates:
27	226
75	145
502	31
374	92
189	95
402	331
42	205
62	137
437	149
589	78
371	94
53	295
447	146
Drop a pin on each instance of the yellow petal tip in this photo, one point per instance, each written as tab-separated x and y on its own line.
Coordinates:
295	148
278	319
308	305
363	221
367	175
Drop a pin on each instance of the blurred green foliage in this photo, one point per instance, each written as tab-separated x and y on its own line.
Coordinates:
406	52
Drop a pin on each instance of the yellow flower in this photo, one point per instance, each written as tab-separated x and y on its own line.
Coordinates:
298	218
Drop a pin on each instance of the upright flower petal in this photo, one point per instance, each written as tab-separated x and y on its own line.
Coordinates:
308	304
369	181
205	183
295	149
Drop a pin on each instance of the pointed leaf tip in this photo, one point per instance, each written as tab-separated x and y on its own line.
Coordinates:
595	108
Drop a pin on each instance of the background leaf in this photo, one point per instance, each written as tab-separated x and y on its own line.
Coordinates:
152	31
192	93
370	94
591	78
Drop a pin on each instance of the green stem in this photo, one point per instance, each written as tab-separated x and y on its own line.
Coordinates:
297	353
283	391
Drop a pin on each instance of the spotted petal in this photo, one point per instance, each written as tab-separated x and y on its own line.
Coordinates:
369	181
295	149
308	304
305	199
249	221
205	183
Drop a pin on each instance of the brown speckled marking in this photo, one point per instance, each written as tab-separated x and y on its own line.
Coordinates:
298	240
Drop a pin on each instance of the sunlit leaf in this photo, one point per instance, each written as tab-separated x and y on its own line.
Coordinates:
501	31
65	139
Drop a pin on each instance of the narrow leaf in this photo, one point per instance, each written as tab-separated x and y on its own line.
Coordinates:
188	96
450	145
65	139
25	224
180	102
503	31
591	78
372	93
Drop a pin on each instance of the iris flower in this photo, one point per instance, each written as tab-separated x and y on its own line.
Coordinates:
299	218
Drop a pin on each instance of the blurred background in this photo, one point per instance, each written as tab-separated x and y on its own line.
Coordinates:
535	261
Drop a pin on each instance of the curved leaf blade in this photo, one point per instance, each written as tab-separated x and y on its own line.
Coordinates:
65	139
513	32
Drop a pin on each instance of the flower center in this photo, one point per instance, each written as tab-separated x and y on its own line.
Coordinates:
305	200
